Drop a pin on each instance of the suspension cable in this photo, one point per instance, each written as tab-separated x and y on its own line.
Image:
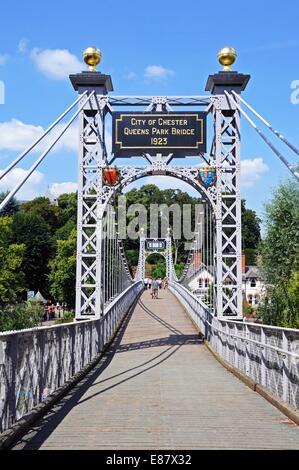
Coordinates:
23	154
274	149
44	154
272	129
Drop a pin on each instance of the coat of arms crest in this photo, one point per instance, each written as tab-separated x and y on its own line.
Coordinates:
207	177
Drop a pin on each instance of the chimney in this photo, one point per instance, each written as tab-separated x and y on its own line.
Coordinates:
197	259
243	263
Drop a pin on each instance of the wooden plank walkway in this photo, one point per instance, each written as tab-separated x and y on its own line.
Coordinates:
158	387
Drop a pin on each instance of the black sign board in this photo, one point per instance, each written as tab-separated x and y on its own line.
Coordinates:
181	133
155	245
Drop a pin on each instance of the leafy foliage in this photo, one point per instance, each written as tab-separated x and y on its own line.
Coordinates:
11	258
159	271
63	270
20	316
179	268
33	232
279	252
68	317
42	207
67	204
12	207
38	244
251	234
151	194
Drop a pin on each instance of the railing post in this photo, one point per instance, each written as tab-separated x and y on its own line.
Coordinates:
59	361
285	380
263	359
246	344
73	348
41	366
235	347
12	374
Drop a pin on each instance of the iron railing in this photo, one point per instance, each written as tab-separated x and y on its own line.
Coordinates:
36	362
269	355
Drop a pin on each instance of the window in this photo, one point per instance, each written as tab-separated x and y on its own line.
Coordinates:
252	282
199	282
250	300
206	283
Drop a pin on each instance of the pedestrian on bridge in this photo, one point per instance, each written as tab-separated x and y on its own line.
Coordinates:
155	288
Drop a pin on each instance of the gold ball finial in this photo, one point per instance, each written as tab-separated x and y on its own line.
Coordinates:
227	57
92	57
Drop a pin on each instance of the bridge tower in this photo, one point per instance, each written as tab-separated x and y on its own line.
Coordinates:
227	136
92	160
166	253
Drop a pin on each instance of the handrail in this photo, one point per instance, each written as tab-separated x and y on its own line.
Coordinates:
244	338
49	327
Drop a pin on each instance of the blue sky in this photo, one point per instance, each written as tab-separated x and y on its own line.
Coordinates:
180	38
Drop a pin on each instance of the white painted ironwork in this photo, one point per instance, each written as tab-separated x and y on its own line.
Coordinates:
269	355
46	132
44	154
34	363
167	254
262	135
228	285
264	121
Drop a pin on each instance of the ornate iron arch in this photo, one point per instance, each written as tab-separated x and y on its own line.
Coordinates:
189	175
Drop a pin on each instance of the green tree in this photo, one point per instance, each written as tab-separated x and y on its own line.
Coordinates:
67	208
279	253
43	207
12	207
24	315
31	230
62	276
179	268
251	233
151	194
64	232
12	282
159	271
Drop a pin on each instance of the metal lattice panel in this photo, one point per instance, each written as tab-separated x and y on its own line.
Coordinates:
36	362
268	355
228	210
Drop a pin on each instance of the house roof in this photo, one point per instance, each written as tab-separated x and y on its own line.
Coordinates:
38	296
197	271
252	272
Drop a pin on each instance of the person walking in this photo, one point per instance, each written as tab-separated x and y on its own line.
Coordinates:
155	288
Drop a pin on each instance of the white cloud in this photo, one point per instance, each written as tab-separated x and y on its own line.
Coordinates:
130	76
62	188
16	135
157	72
3	59
251	171
56	63
31	189
23	45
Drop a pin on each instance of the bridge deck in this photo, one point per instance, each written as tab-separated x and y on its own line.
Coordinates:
158	387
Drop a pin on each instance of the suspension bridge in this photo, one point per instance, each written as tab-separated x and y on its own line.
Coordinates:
134	372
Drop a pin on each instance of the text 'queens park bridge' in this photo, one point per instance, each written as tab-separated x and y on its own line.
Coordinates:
134	371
